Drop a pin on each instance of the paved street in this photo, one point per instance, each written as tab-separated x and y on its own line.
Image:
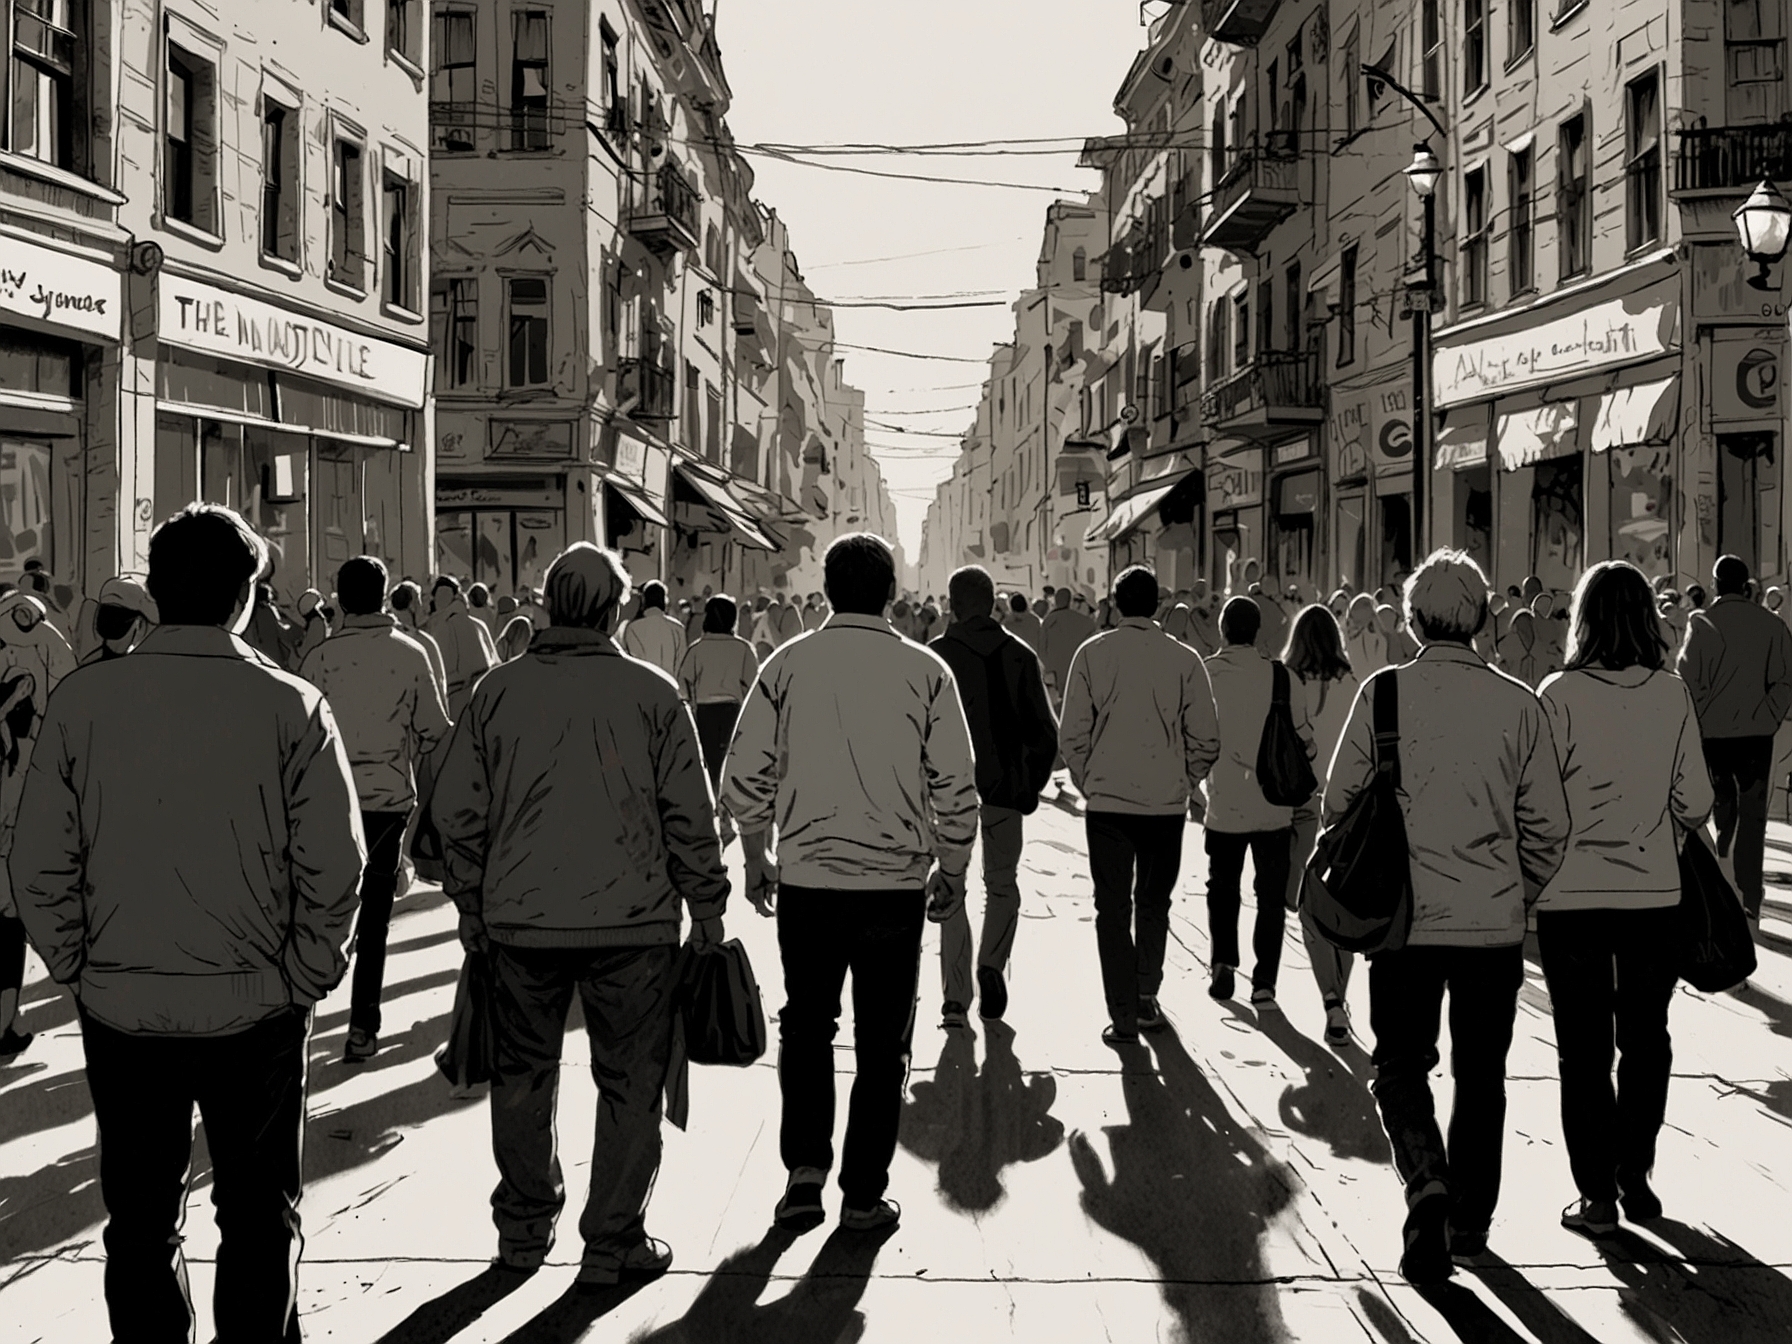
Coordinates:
1227	1183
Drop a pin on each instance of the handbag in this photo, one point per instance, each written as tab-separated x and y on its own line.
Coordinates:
471	1055
1358	887
1284	772
1717	948
718	1005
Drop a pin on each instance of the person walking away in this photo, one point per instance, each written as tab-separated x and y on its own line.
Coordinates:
391	715
1737	664
653	636
1061	634
1486	825
31	642
815	613
1316	659
1176	620
1239	817
317	623
514	642
1627	735
790	621
1273	632
1022	623
125	614
479	603
407	607
467	649
269	632
575	819
1014	739
1139	735
760	626
190	875
21	710
1363	641
715	678
873	831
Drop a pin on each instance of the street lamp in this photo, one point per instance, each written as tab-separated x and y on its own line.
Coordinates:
1764	224
1424	172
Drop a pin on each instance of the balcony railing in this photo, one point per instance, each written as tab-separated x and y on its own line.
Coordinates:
666	219
1732	158
1259	189
1239	22
652	387
452	126
1278	387
1135	264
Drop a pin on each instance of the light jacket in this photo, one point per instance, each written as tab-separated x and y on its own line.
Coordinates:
1013	733
718	669
572	802
432	650
1631	767
1480	790
1138	732
384	694
1243	683
1061	634
854	746
189	846
467	651
1738	665
1025	627
1328	710
654	637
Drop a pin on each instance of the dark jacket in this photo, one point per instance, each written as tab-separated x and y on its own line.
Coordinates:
1013	733
1738	665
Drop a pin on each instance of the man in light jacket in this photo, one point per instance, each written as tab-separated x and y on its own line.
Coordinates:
186	861
1138	735
1022	623
575	819
384	694
1737	663
1063	631
853	746
1486	826
1239	817
468	652
654	636
1015	740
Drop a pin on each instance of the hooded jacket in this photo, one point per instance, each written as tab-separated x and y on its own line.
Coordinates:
1013	733
1738	665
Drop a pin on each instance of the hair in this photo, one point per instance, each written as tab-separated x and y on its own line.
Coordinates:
1240	620
653	596
361	585
506	605
1446	598
971	592
719	615
1615	622
514	642
200	560
479	595
1135	592
1018	604
1315	649
1695	594
859	574
1730	574
112	621
443	581
406	595
586	586
1060	598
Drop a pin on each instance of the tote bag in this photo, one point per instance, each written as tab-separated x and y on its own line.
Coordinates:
1284	772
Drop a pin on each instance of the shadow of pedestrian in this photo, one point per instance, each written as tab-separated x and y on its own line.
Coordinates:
440	1319
1775	1009
1334	1103
821	1309
43	1103
1535	1310
568	1318
1469	1318
1711	1292
1195	1191
973	1123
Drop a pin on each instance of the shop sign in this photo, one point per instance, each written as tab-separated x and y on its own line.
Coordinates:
231	326
1462	442
1745	378
1618	331
1375	425
45	285
647	465
497	497
1298	451
531	438
1721	291
1232	485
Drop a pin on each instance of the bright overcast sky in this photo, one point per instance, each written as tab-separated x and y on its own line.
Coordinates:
815	72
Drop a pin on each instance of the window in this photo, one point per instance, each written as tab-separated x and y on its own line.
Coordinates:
1241	331
712	424
454	320
615	104
347	14
279	180
403	28
1272	82
1293	300
1266	315
1079	265
1642	162
1431	42
190	141
1217	146
706	308
1754	62
693	416
1521	29
529	80
348	217
1347	308
46	51
1352	79
398	242
1474	46
1474	237
1573	217
1219	330
452	88
528	331
1521	186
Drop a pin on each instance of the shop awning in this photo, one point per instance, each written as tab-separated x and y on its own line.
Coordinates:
1535	435
1463	440
1633	416
725	502
1128	513
637	499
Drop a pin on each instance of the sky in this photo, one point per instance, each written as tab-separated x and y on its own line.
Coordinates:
815	73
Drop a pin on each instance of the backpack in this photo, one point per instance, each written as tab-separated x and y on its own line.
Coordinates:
1284	772
1358	887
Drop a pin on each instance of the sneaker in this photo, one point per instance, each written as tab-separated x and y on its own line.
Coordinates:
952	1014
1426	1257
1641	1204
15	1042
1466	1246
1222	985
519	1262
362	1046
1263	997
647	1259
800	1209
992	994
884	1213
1151	1016
1337	1024
1594	1217
1114	1036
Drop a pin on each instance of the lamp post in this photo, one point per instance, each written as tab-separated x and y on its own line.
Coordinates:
1764	225
1423	172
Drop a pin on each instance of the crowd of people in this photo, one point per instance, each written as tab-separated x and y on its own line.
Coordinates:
582	759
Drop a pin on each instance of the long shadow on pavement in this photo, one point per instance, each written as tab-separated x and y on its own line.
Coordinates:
1533	1308
568	1318
1711	1292
1334	1103
1195	1191
974	1124
440	1319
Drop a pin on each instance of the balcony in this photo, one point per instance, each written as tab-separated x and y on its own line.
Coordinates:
1135	264
651	387
1731	159
1241	23
1259	190
1279	388
452	126
665	219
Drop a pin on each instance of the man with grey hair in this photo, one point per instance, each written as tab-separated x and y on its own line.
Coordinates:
1486	826
576	817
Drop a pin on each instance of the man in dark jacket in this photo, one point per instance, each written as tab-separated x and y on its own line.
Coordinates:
1738	665
1015	739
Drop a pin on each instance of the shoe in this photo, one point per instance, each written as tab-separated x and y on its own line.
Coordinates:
647	1259
1263	997
1112	1035
1337	1024
800	1209
1595	1217
517	1262
362	1046
1222	985
15	1042
992	994
1641	1204
952	1014
1466	1246
884	1213
1151	1016
1426	1257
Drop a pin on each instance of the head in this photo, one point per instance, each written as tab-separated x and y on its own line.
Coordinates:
1315	649
859	574
479	596
1362	613
1695	596
653	596
1135	593
1730	576
1530	588
1615	625
1061	597
514	642
203	563
507	605
361	586
971	592
1339	603
586	587
1775	597
407	601
444	593
1241	620
1387	619
1446	599
1251	571
1542	605
719	615
1018	604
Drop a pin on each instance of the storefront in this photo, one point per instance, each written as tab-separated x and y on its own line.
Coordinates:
634	493
1154	524
1235	516
711	526
1463	485
1370	438
502	533
1294	494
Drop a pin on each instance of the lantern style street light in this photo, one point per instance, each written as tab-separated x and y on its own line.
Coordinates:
1764	225
1424	172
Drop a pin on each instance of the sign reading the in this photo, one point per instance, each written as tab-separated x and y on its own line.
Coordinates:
49	286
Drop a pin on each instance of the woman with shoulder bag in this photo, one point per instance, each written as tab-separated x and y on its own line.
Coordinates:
1628	742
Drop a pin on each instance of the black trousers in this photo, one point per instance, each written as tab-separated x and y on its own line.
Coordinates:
379	885
823	934
1406	993
1740	777
1270	856
1134	862
715	733
250	1090
12	953
1611	977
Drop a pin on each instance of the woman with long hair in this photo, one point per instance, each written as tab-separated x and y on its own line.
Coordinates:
715	678
1627	738
1315	657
